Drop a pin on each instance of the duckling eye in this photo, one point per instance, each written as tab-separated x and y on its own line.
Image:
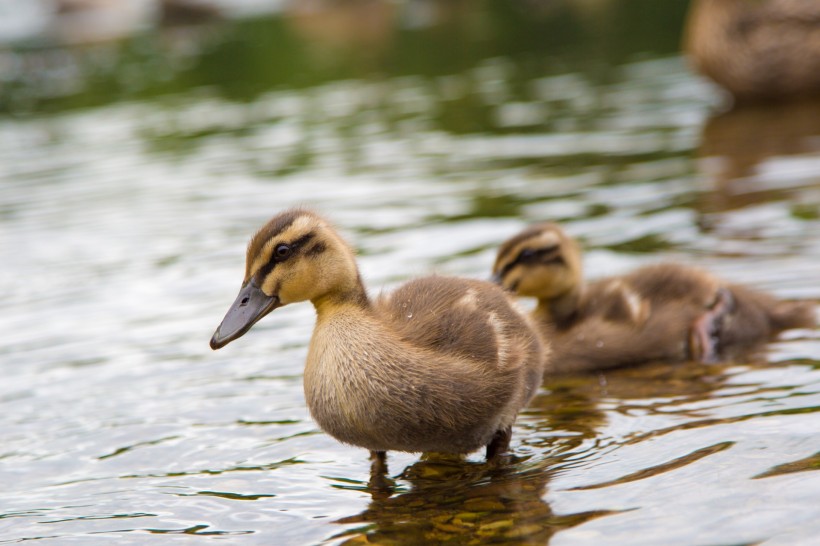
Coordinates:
529	255
282	251
533	255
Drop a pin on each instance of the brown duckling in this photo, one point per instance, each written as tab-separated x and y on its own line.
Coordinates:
439	365
657	313
757	49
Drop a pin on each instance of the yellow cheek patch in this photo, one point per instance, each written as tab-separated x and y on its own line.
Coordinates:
513	277
270	285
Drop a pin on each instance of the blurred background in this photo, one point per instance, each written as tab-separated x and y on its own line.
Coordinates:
143	141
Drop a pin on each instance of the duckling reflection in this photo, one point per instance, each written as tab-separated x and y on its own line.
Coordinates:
571	404
452	501
736	144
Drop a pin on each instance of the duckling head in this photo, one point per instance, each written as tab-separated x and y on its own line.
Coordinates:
297	256
541	261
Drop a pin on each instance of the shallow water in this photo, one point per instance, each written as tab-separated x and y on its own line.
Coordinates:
432	137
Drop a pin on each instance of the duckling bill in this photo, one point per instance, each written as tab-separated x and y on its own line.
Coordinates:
441	364
251	305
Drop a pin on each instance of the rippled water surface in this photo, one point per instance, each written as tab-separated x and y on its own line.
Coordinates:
133	171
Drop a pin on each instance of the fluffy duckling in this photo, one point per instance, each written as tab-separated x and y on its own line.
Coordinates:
657	313
439	365
757	49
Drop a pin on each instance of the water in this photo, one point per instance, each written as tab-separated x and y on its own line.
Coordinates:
132	177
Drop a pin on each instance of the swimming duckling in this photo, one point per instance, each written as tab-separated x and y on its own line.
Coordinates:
657	313
757	49
439	365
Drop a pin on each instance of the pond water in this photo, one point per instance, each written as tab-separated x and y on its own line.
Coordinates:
133	172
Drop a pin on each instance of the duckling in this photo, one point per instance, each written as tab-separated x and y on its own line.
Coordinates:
657	313
441	364
757	49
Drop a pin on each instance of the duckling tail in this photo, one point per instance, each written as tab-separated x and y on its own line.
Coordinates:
792	314
758	317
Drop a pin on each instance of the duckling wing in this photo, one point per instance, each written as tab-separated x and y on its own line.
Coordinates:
666	283
635	296
615	301
462	317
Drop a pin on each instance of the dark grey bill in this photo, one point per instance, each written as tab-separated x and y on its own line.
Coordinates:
251	305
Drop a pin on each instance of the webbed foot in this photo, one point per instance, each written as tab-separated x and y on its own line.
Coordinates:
704	337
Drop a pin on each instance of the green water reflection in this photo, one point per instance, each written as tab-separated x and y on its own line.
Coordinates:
241	59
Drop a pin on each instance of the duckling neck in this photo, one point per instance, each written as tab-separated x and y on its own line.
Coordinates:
353	375
354	297
561	311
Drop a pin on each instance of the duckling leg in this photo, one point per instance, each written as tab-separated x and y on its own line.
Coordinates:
705	334
381	486
379	464
499	444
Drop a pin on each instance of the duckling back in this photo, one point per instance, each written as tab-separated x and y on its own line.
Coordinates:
462	317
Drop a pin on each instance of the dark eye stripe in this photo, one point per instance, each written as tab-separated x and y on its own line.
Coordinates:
264	271
300	242
316	249
295	246
506	269
532	256
529	255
